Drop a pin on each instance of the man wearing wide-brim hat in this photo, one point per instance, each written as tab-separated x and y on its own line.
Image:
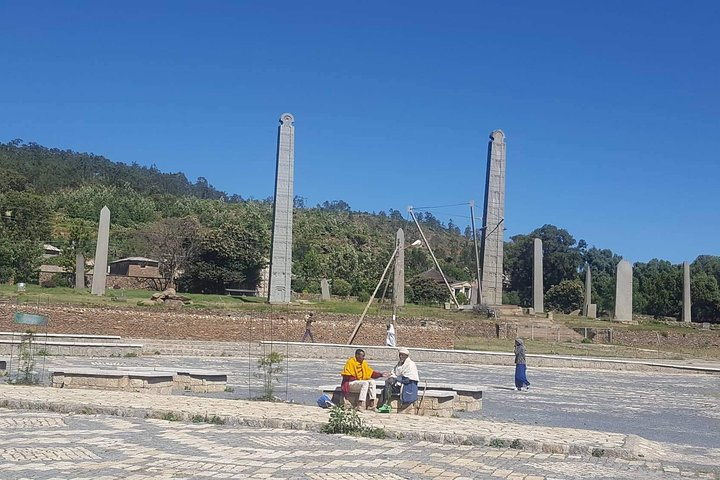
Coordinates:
403	380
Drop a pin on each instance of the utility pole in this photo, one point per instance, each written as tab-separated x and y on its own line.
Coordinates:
477	253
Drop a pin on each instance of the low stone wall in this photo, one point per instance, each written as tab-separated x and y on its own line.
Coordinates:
278	326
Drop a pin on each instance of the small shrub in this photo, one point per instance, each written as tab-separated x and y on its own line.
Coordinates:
270	367
598	452
347	421
198	418
170	417
516	444
497	443
43	353
130	355
229	389
157	352
215	420
461	298
586	340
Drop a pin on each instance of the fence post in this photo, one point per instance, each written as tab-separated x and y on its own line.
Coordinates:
532	332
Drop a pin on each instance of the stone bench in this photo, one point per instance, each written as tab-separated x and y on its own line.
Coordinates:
156	382
469	397
432	403
193	379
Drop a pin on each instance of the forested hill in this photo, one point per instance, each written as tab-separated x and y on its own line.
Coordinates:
210	241
32	167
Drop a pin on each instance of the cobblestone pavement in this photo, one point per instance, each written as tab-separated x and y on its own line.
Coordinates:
682	408
39	445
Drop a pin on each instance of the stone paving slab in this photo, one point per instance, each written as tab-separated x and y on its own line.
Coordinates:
300	417
98	447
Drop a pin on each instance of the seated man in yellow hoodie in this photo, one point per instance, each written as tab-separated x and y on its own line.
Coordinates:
357	376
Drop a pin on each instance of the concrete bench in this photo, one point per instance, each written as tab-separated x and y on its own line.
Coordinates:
192	379
469	397
157	382
432	403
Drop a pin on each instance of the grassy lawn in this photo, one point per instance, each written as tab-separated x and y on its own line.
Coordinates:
35	294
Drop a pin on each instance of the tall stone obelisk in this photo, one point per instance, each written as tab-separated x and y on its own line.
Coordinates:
399	273
588	289
687	306
538	293
491	247
281	250
623	292
101	253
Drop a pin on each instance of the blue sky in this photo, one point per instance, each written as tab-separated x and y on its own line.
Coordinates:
611	109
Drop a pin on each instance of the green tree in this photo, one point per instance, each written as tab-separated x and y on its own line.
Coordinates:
561	260
657	288
426	291
227	257
565	296
705	293
341	287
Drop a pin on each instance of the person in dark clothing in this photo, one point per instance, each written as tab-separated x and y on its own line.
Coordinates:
521	380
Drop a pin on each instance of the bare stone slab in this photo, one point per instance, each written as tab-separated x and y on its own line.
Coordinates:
588	291
281	251
623	292
538	293
101	253
79	271
491	246
324	289
591	311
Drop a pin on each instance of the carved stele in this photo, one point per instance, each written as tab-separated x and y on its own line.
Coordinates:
281	250
491	246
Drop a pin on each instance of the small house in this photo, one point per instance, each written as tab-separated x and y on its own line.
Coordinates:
135	267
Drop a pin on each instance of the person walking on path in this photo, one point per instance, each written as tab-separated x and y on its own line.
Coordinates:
520	365
308	323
